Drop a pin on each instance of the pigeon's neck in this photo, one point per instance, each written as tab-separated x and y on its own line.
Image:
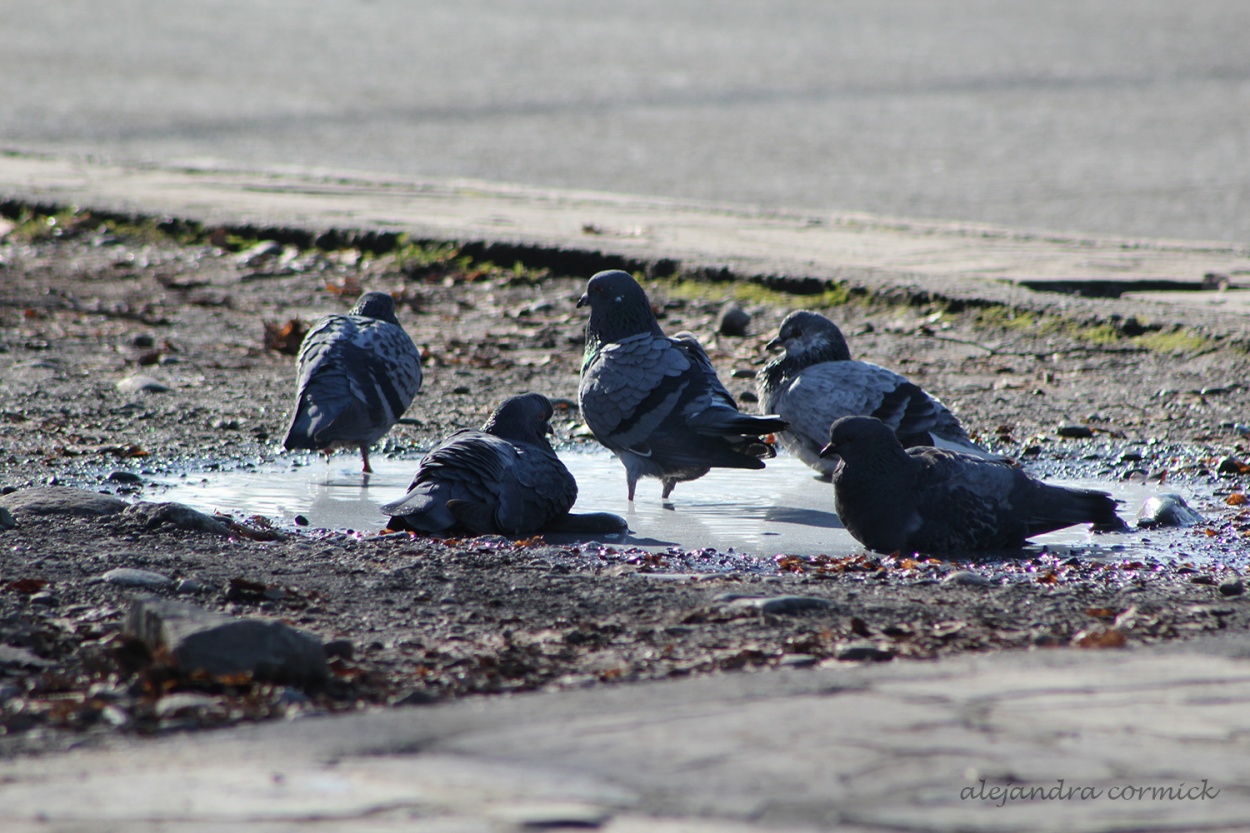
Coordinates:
789	363
617	324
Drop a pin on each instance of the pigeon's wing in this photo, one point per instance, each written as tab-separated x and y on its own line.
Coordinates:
630	388
469	466
538	488
965	502
357	376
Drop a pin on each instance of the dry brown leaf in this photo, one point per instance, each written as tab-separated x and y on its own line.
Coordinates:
1100	638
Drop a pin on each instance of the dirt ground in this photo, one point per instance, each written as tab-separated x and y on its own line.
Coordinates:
86	304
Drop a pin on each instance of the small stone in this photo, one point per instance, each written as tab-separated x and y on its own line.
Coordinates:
862	652
1232	586
141	384
45	600
782	605
1166	510
13	657
127	477
1231	465
133	577
7	521
61	500
177	515
200	640
183	704
341	648
190	585
966	578
733	320
300	520
1075	431
797	661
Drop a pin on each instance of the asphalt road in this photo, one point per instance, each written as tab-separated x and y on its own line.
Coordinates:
1123	117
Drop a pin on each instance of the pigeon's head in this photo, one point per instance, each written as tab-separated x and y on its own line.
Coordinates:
810	337
377	305
619	307
856	438
524	418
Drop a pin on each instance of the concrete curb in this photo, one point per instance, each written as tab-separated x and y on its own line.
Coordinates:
963	262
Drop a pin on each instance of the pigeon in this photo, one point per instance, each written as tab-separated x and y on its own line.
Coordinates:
814	381
656	401
501	480
934	500
357	374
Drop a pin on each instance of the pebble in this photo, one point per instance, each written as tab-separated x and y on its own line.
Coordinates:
124	477
201	640
134	577
797	661
1075	431
61	500
7	521
733	320
862	652
141	384
1230	465
782	605
1232	586
45	600
967	578
1166	510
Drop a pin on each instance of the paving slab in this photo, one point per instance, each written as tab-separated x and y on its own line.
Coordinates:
1142	739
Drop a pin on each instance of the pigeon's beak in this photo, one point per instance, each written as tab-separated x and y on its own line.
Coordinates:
775	344
830	450
583	301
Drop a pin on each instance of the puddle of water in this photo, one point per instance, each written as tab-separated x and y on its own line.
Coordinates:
782	509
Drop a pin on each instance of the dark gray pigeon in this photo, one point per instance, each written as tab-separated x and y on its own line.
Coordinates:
503	480
934	500
357	374
655	400
814	381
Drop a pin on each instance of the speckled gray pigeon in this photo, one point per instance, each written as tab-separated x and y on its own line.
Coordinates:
655	400
504	479
357	374
814	381
933	500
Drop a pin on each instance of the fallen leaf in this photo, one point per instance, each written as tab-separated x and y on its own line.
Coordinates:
26	586
1236	499
1101	612
1100	638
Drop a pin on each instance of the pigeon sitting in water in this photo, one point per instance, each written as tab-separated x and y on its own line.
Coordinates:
933	500
503	480
655	400
814	381
357	374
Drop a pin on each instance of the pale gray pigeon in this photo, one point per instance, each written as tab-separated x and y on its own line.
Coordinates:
933	500
655	400
504	480
814	381
357	374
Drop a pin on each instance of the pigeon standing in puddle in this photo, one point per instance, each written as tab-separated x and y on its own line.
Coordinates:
357	374
814	381
932	500
656	401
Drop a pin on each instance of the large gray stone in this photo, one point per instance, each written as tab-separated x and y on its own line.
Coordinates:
61	500
177	515
195	639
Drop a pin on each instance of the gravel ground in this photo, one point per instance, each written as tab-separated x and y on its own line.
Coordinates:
212	324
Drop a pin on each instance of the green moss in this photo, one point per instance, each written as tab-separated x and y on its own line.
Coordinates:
1175	341
750	292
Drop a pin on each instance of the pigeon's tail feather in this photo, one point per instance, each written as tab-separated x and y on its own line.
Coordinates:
420	511
1061	506
729	422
